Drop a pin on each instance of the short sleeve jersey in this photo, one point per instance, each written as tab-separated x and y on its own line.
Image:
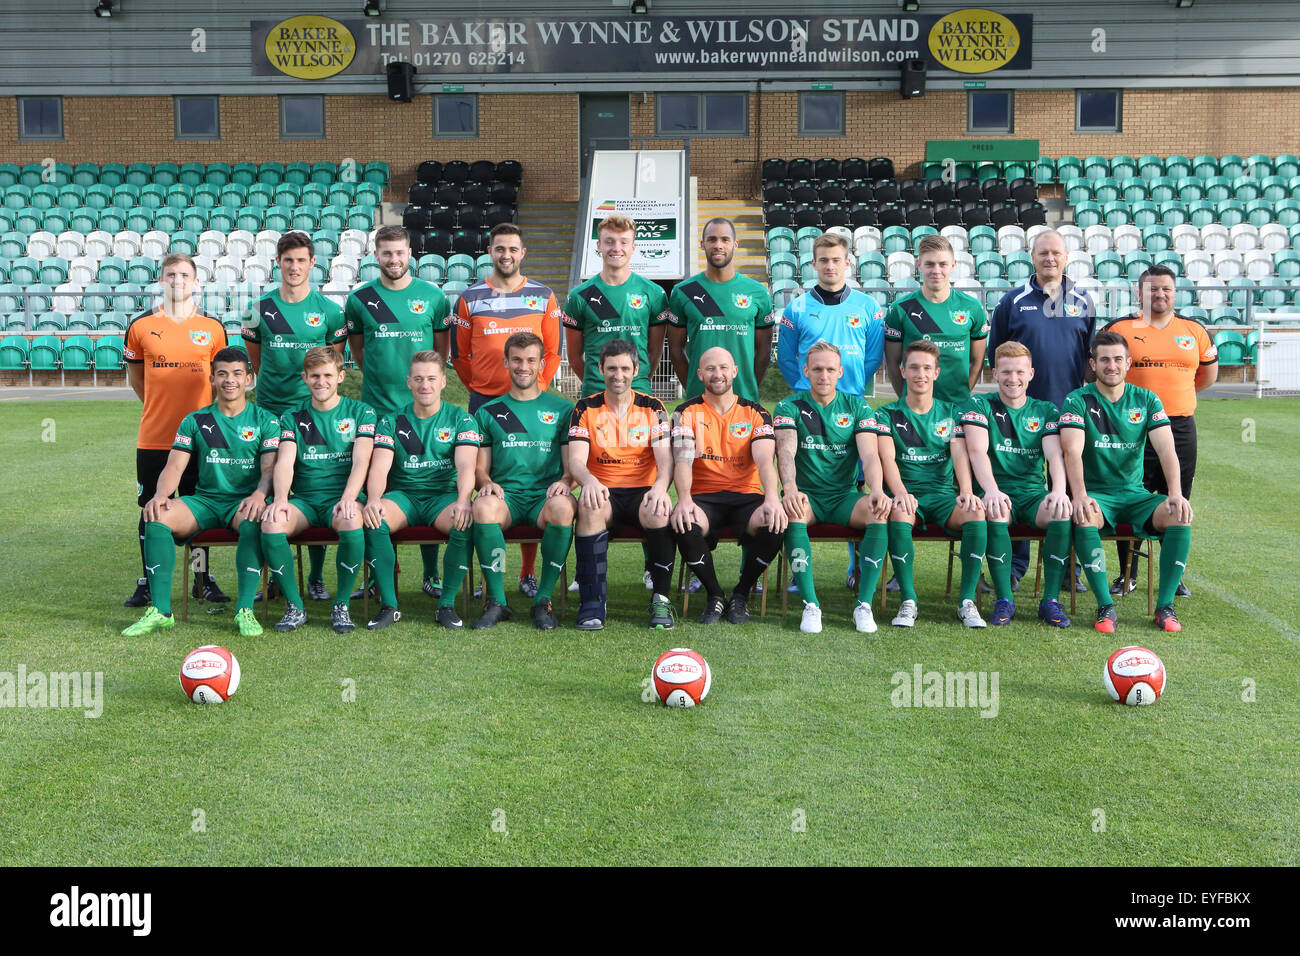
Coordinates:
604	312
229	447
826	462
285	331
177	361
424	449
526	438
620	450
1165	361
1115	434
722	444
952	325
485	317
393	325
721	314
324	443
921	443
1015	439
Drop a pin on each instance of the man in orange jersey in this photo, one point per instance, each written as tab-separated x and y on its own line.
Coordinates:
168	354
488	313
1175	358
724	467
624	470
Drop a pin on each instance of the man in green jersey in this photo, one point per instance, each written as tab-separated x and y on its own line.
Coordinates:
389	320
421	473
320	472
921	453
235	443
938	313
821	436
720	308
1008	437
522	476
278	330
1105	427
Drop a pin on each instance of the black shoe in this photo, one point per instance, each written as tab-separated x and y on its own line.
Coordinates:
360	593
1117	586
983	586
738	609
544	616
274	592
1015	583
1080	584
341	620
1182	590
448	618
492	614
386	616
208	591
713	610
141	597
892	584
294	618
316	591
851	579
433	588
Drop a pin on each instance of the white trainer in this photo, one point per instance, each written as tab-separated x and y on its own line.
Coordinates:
906	615
863	619
969	614
812	619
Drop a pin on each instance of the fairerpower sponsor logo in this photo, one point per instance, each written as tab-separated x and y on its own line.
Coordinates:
107	910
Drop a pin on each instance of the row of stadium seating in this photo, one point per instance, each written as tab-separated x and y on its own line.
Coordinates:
452	205
884	215
1175	212
193	174
207	196
1067	168
807	170
993	190
1188	189
127	244
24	222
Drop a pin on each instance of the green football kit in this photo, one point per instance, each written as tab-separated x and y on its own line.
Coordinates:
952	325
603	312
393	325
724	314
285	331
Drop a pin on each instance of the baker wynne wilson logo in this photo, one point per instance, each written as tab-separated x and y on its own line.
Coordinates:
314	319
1032	424
740	299
532	302
417	306
345	426
310	47
636	302
740	430
974	41
444	434
1136	415
842	421
1185	342
944	428
960	318
853	320
201	338
546	418
248	434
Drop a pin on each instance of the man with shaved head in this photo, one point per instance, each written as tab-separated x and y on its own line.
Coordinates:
1055	320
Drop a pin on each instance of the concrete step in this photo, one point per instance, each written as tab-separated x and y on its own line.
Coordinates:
548	236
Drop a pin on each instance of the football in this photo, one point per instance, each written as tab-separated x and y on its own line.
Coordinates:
1134	676
681	677
210	675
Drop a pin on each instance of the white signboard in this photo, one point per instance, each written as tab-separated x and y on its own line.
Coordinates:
659	230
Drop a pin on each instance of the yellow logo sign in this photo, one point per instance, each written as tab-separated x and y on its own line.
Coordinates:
310	47
974	41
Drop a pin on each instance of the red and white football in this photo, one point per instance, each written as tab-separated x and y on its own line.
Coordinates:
681	677
1135	676
210	675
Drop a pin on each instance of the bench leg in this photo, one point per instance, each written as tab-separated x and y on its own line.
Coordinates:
947	591
682	588
185	592
1069	578
762	604
298	559
882	596
1038	572
780	580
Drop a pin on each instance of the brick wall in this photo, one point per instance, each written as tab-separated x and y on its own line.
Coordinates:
541	131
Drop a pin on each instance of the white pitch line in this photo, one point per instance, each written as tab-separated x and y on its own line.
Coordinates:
1245	607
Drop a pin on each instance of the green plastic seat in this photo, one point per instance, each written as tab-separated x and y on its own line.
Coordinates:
871	267
342	194
1150	167
433	267
166	220
277	219
82	321
33	175
166	174
56	220
460	268
1259	212
1133	189
297	174
334	217
54	270
314	195
1204	166
369	194
324	172
1096	167
1202	212
112	174
78	353
1274	188
139	174
50	322
24	270
306	218
243	174
1242	292
1286	264
1087	214
234	196
1078	191
1286	166
195	219
326	242
99	196
217	174
71	196
46	352
220	219
261	194
1230	212
10	173
28	221
363	219
1169	259
1116	214
1287	212
286	198
982	239
185	241
1107	266
142	269
116	319
1245	188
191	175
1162	189
14	352
377	172
139	219
1144	213
988	267
893	239
249	218
1019	267
780	239
207	195
1173	213
17	196
1233	166
1105	189
1252	346
108	352
782	266
44	196
271	173
1231	345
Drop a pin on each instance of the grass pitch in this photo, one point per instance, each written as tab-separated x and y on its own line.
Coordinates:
515	747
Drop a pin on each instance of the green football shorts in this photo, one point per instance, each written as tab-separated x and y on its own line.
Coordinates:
836	509
213	511
421	510
1133	507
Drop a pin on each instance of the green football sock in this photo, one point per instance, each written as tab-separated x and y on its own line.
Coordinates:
998	555
974	542
279	558
1175	546
798	551
555	551
347	562
315	562
159	564
1087	550
429	557
383	562
902	554
1056	555
871	558
248	563
490	543
455	565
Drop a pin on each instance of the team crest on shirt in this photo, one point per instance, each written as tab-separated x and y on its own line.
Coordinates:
314	319
1136	415
636	302
1032	424
853	320
345	426
638	434
532	302
842	421
1185	342
418	306
960	318
201	338
944	428
444	434
1073	310
740	430
546	418
740	299
248	434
